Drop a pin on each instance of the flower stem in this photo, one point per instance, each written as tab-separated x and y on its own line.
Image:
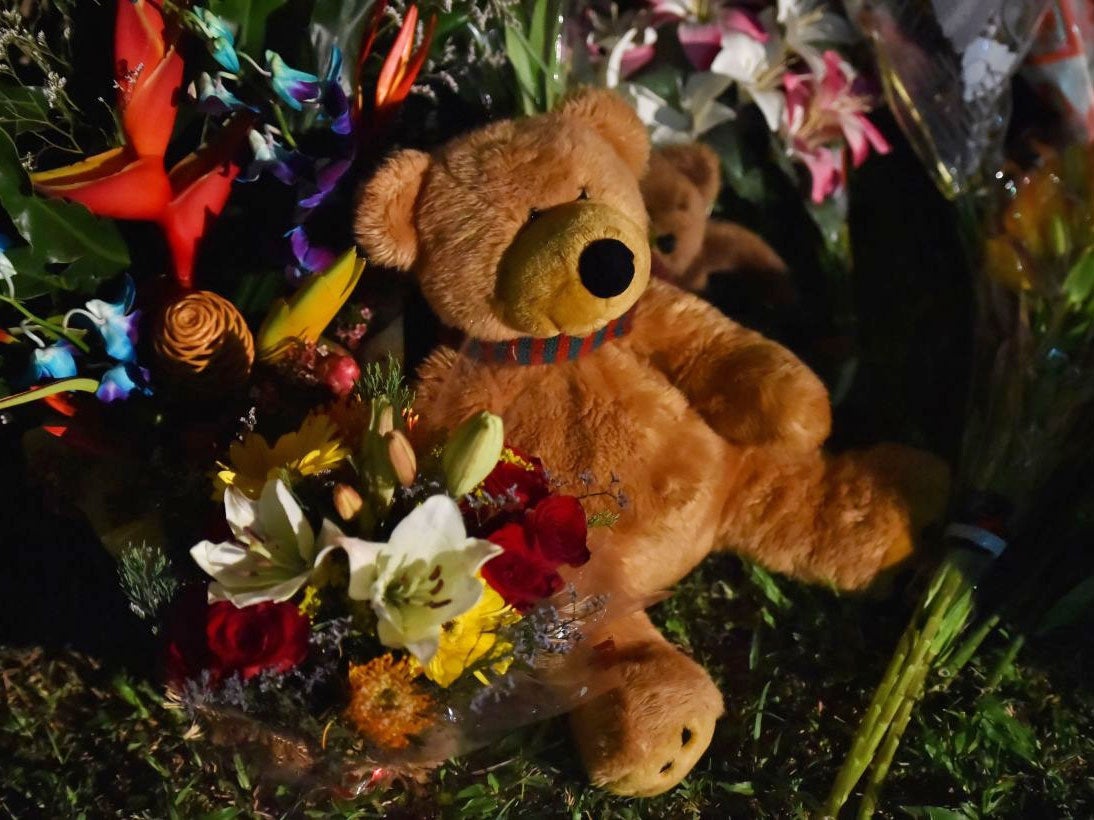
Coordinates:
283	125
910	663
50	328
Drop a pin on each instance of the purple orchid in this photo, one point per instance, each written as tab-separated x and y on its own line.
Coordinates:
121	380
309	258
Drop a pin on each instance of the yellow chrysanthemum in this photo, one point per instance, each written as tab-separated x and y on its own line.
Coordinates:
386	704
471	637
313	448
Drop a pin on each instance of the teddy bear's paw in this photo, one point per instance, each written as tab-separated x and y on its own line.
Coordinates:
642	738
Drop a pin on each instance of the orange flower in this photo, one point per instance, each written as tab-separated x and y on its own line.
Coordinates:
401	66
385	704
131	182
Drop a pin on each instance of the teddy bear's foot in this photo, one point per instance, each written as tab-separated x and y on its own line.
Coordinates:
643	737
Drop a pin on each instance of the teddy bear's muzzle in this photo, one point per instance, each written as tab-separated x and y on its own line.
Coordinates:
572	270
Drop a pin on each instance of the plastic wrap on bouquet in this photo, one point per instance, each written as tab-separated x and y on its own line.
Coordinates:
946	67
1061	63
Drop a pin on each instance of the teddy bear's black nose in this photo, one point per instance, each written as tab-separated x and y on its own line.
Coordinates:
666	242
606	267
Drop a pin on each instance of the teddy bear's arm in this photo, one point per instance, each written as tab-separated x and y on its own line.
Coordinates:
731	248
748	388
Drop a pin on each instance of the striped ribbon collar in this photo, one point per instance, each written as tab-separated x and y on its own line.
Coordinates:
530	350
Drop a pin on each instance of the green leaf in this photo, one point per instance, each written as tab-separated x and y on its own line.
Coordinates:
251	17
1080	279
57	232
1073	605
64	386
523	61
23	108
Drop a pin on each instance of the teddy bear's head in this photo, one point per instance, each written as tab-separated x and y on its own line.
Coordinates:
680	189
530	227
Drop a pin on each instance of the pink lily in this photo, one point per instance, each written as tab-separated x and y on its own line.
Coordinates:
821	114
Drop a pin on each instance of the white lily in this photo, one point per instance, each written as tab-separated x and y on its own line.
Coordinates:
808	25
757	69
273	551
424	576
700	112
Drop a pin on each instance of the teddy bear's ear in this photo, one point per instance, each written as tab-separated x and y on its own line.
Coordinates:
615	121
384	224
699	164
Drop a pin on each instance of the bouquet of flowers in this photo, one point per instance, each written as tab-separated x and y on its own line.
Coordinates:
1033	371
359	598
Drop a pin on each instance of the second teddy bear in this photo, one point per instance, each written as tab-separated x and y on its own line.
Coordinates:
680	188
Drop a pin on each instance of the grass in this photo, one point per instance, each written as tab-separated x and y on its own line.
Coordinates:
80	738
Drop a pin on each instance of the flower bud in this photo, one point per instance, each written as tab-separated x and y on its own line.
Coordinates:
472	451
347	501
383	417
401	454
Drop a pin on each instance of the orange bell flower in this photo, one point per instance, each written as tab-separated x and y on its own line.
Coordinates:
131	182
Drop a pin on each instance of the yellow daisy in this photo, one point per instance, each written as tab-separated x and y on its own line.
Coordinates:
471	638
313	448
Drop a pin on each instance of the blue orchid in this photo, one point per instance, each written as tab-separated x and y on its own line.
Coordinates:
7	270
53	362
270	155
114	322
214	98
219	37
334	100
121	380
292	86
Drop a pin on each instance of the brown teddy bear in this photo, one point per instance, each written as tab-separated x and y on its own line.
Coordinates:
680	188
529	237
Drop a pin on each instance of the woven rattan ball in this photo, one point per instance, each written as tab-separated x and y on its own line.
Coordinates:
202	344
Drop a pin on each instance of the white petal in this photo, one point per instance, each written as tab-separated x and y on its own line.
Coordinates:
431	528
302	534
771	104
741	58
276	593
363	570
614	63
240	511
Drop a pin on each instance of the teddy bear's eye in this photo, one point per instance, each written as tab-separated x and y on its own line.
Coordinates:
583	195
533	214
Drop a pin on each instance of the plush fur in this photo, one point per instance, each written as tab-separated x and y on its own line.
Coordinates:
680	189
714	432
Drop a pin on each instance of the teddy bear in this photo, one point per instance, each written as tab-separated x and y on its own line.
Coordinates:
680	188
529	240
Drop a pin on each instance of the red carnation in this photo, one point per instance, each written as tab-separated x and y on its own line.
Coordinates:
520	574
225	639
559	530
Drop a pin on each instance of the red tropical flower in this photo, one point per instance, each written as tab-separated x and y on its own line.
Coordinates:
131	182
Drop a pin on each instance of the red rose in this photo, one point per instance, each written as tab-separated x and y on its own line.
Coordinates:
254	638
520	574
559	530
528	487
225	639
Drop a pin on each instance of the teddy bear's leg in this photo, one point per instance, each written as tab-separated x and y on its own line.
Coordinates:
843	520
642	736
